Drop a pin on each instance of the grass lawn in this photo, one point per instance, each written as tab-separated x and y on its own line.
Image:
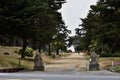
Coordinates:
117	68
106	62
13	59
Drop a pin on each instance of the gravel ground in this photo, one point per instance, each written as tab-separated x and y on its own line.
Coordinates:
70	63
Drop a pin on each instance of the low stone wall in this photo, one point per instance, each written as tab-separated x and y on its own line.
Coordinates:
10	70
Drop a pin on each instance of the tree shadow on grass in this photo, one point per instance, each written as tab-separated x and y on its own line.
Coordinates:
27	59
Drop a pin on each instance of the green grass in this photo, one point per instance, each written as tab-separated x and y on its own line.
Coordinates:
12	60
117	68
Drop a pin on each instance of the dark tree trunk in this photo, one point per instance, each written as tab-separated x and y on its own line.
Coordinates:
24	48
44	49
49	49
57	51
40	48
14	42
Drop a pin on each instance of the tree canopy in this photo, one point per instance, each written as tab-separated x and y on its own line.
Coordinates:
102	27
31	20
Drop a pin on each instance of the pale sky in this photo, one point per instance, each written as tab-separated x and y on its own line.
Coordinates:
73	10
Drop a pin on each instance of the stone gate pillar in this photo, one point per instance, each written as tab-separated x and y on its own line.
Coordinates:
94	61
38	63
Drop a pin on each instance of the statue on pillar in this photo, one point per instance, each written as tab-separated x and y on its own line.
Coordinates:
38	63
94	61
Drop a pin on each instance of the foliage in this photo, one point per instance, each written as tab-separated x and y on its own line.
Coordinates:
101	29
59	42
109	55
117	69
31	20
28	52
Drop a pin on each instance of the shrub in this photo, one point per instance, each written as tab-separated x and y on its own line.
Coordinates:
105	55
28	52
110	55
117	69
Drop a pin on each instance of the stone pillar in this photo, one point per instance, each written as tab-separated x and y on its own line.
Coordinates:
38	63
94	61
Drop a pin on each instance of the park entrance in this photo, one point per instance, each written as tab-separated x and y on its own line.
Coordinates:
74	62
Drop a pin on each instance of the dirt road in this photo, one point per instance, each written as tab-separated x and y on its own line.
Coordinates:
75	62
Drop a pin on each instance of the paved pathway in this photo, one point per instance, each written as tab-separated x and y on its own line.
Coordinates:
85	75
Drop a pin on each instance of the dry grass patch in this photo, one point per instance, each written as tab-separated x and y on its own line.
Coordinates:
47	59
106	62
13	59
10	60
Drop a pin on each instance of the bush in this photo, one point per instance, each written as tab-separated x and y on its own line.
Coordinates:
28	52
117	69
110	55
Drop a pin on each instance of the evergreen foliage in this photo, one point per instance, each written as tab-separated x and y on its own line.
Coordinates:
31	20
102	27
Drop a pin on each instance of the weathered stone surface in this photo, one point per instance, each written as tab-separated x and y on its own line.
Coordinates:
94	61
39	64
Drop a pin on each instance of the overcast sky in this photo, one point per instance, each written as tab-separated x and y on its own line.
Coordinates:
73	10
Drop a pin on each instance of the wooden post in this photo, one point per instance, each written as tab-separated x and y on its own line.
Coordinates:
112	64
19	63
